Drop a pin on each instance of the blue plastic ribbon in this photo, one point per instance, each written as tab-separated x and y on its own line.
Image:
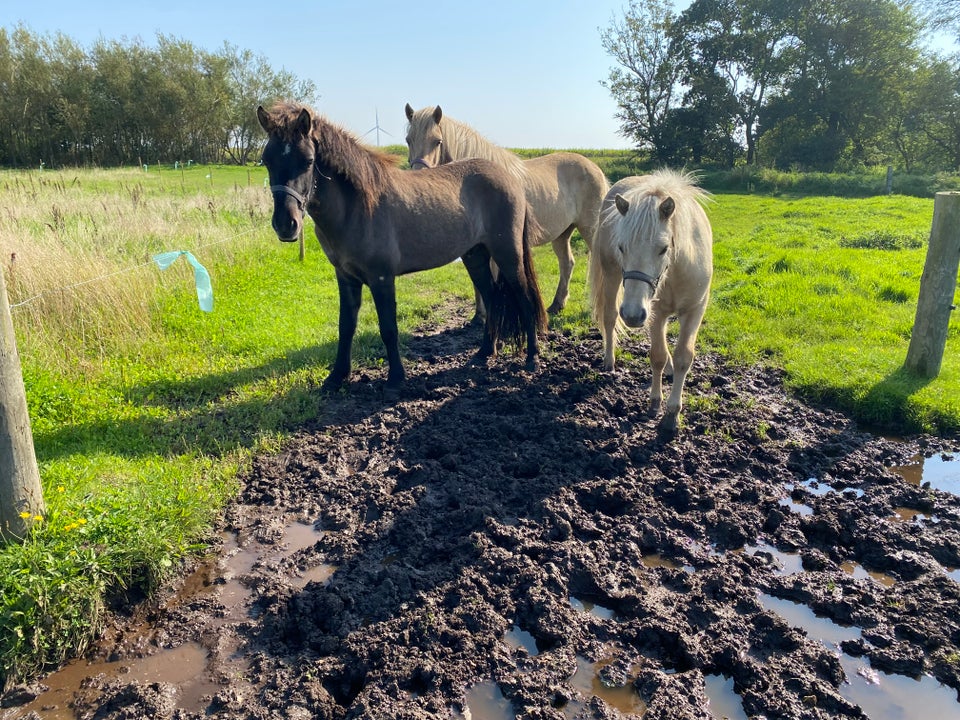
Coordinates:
200	274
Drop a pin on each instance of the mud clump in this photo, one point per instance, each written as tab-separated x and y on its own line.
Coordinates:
485	502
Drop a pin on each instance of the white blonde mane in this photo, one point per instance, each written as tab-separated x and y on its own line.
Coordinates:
462	141
645	197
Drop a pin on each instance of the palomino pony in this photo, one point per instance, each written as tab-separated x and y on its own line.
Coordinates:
375	222
564	189
653	258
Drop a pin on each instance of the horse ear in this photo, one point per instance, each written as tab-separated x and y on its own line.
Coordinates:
666	209
437	114
304	122
265	120
409	112
622	204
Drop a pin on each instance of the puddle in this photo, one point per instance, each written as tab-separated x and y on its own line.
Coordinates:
485	702
586	606
896	697
658	561
517	638
724	702
942	472
180	666
588	682
786	563
859	573
953	574
815	487
796	507
908	515
882	696
186	666
799	615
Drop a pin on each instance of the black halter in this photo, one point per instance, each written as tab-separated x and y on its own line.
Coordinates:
301	200
642	277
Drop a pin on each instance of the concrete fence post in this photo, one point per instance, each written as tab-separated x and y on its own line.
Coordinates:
937	286
21	496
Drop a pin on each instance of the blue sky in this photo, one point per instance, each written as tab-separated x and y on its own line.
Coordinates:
524	74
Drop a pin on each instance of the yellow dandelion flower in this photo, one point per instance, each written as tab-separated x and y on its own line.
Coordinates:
38	518
24	515
61	488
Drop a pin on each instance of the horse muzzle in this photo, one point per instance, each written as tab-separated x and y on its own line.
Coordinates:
287	213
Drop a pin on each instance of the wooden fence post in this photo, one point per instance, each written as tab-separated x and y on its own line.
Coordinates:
20	490
937	286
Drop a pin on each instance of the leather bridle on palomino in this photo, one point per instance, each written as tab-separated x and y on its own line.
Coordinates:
642	277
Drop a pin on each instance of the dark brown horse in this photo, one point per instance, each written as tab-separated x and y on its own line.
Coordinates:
375	222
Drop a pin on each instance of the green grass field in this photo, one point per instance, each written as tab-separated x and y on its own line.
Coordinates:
144	408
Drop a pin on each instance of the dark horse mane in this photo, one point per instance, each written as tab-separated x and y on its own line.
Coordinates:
367	170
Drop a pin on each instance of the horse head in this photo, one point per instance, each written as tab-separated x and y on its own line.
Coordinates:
425	138
644	244
289	158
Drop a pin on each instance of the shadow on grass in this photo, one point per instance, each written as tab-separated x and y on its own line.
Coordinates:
203	415
887	404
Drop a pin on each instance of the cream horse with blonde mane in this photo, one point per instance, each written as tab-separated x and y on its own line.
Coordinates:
564	189
653	259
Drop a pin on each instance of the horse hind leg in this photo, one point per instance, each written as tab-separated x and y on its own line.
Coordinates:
478	264
566	260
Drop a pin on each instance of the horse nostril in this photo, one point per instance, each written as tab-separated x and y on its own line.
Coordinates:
633	319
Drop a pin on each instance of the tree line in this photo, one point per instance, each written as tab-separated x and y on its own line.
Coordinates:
827	85
123	103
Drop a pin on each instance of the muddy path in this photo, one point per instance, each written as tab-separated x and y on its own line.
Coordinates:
498	544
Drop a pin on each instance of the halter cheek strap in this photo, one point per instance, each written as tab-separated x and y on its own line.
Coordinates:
642	277
420	161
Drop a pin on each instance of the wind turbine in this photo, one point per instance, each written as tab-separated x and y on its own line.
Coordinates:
377	128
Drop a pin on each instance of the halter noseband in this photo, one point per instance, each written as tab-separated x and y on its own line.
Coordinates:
422	161
642	277
301	200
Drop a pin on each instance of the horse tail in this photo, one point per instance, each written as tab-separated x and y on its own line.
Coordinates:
511	306
532	230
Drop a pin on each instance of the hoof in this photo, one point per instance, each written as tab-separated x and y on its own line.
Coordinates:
669	425
331	384
478	320
480	359
532	364
391	393
653	409
555	308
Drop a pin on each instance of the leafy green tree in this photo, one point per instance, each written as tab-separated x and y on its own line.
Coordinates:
854	61
734	53
646	82
253	82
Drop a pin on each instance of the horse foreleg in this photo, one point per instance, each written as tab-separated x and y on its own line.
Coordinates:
659	358
683	355
383	290
350	298
608	311
564	253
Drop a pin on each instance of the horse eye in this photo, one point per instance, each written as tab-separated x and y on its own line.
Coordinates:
664	251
